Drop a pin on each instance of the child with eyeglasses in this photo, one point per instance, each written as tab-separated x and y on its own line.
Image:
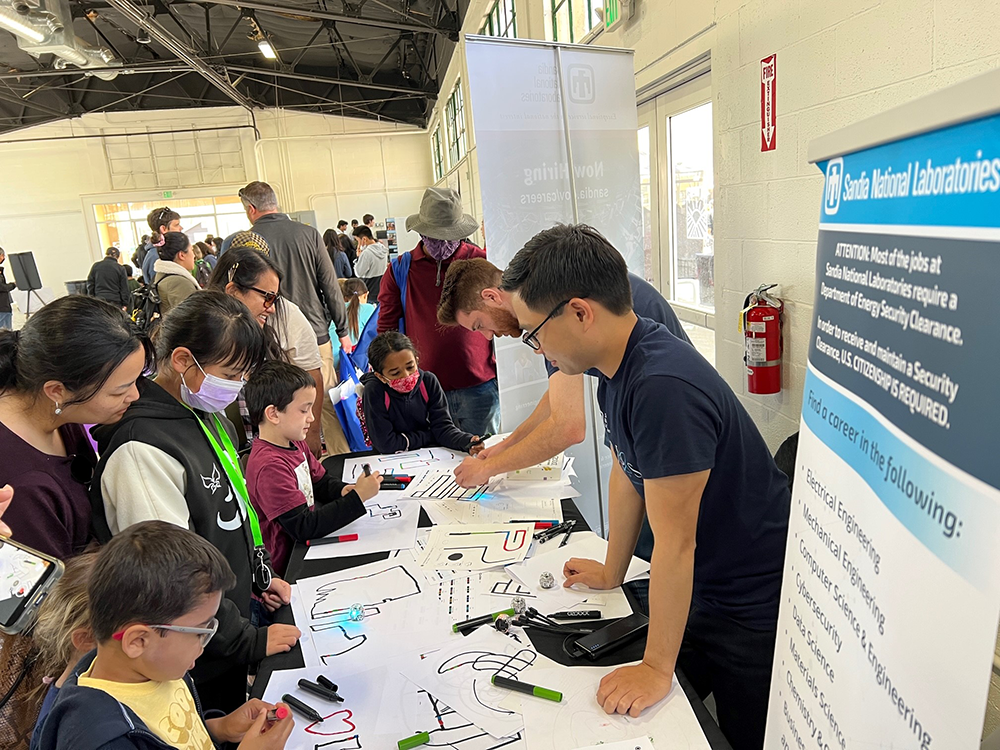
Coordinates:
154	593
405	407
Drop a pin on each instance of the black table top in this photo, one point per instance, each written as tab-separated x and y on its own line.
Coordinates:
549	644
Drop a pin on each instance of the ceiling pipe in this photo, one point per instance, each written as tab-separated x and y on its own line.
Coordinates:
145	21
46	28
323	15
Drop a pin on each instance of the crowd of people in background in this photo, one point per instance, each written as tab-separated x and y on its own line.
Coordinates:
108	433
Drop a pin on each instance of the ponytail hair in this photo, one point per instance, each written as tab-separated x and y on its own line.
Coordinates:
217	329
174	243
354	289
77	341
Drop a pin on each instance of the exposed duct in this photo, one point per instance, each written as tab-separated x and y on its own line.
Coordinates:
45	27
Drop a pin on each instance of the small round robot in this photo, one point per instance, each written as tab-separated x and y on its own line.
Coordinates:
546	580
518	605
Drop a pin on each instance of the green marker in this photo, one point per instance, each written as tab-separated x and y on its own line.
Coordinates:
524	687
475	622
416	740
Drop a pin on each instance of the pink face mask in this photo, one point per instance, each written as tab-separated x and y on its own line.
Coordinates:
405	385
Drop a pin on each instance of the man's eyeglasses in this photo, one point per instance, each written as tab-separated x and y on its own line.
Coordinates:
531	337
244	198
206	634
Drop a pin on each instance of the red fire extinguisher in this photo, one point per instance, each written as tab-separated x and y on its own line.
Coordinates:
761	324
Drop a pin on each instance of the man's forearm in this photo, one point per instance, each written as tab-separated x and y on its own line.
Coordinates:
626	511
544	442
670	584
538	415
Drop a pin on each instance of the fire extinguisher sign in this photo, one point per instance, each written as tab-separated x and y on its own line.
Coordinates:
768	101
892	569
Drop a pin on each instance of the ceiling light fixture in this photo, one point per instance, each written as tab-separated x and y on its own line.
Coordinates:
20	29
267	50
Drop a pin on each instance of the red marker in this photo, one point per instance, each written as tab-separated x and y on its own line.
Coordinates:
332	540
278	714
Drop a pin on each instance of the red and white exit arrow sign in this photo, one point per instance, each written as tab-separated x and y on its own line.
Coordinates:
768	96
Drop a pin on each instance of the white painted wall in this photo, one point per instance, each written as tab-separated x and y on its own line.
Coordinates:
838	62
337	167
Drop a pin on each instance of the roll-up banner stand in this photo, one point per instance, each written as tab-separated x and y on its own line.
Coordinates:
891	590
556	139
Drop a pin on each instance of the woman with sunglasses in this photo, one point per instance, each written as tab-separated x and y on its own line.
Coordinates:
171	458
248	274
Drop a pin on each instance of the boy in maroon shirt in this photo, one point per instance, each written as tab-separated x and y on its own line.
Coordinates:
290	490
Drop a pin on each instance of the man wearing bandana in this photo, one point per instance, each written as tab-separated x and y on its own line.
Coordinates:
462	360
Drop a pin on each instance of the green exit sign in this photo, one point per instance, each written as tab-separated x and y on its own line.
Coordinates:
168	194
612	14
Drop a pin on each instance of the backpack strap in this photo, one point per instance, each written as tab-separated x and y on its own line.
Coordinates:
423	395
400	272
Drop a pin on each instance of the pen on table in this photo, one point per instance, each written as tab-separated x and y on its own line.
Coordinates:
332	540
577	614
524	687
279	713
566	537
298	706
320	691
483	620
420	738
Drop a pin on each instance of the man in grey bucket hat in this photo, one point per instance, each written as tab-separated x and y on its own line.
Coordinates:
462	360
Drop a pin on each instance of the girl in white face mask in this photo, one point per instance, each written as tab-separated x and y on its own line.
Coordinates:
172	458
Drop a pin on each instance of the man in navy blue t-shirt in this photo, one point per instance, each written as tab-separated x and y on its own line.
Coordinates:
471	297
690	458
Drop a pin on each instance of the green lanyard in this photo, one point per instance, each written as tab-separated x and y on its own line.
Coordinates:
229	458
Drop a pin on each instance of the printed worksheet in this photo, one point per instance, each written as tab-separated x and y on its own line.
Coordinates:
389	525
476	546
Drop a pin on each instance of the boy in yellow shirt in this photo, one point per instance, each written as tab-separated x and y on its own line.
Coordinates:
154	593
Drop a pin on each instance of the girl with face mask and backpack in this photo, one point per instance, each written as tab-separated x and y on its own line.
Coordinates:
172	458
404	406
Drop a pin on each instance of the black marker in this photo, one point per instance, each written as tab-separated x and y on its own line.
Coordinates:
368	470
299	707
332	686
577	614
320	691
483	439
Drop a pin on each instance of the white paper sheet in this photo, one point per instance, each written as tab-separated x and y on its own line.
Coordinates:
585	544
309	656
410	464
578	721
439	484
494	508
476	546
389	526
396	600
641	743
459	674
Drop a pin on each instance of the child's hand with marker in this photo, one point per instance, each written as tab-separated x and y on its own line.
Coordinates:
255	725
478	444
367	485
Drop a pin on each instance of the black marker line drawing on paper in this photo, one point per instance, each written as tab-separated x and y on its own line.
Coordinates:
454	732
492	663
330	613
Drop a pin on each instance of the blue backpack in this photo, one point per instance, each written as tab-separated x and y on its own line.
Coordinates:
400	272
360	354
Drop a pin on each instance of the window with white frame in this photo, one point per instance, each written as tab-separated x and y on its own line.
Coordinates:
571	20
437	154
455	119
500	20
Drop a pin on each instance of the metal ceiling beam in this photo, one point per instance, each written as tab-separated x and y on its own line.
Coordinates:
142	19
14	99
322	15
334	81
125	70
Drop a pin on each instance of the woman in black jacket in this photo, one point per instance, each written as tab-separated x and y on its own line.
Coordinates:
171	458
